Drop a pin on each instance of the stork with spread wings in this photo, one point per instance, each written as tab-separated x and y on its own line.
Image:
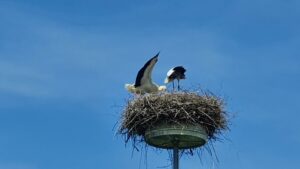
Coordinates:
143	83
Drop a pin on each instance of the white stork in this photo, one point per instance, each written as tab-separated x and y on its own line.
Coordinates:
175	73
143	83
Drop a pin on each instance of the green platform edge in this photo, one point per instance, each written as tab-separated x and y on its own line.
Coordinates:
180	136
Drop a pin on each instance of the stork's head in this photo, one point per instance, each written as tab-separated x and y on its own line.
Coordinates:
167	80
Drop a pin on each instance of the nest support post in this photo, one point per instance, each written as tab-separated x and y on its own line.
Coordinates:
175	158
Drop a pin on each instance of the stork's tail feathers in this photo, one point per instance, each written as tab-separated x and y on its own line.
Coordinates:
162	88
130	88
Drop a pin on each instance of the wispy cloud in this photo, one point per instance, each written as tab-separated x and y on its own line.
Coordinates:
17	166
52	58
23	80
46	58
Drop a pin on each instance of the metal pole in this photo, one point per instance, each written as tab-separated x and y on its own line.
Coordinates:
175	158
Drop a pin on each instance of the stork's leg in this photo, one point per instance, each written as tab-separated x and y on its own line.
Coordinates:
173	85
178	86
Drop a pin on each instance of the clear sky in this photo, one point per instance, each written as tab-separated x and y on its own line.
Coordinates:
63	65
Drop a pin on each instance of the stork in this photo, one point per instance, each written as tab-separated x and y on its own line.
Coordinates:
175	73
143	83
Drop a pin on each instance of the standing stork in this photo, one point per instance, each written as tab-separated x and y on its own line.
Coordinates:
175	73
143	83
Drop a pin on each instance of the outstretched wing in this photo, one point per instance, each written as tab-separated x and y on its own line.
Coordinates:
144	74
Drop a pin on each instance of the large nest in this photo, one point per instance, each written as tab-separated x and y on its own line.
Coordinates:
146	111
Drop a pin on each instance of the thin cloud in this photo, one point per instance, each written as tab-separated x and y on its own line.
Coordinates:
17	166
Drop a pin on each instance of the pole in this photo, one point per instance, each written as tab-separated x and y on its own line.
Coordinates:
175	158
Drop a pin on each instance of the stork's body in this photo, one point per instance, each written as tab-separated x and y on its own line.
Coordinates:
175	73
143	83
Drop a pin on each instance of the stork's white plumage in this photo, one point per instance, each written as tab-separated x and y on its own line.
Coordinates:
143	83
175	73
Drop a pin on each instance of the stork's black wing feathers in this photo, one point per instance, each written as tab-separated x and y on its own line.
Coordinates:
142	71
179	69
178	73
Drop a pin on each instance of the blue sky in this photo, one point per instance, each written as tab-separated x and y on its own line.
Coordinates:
63	64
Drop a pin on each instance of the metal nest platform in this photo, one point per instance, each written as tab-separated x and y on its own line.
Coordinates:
179	136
